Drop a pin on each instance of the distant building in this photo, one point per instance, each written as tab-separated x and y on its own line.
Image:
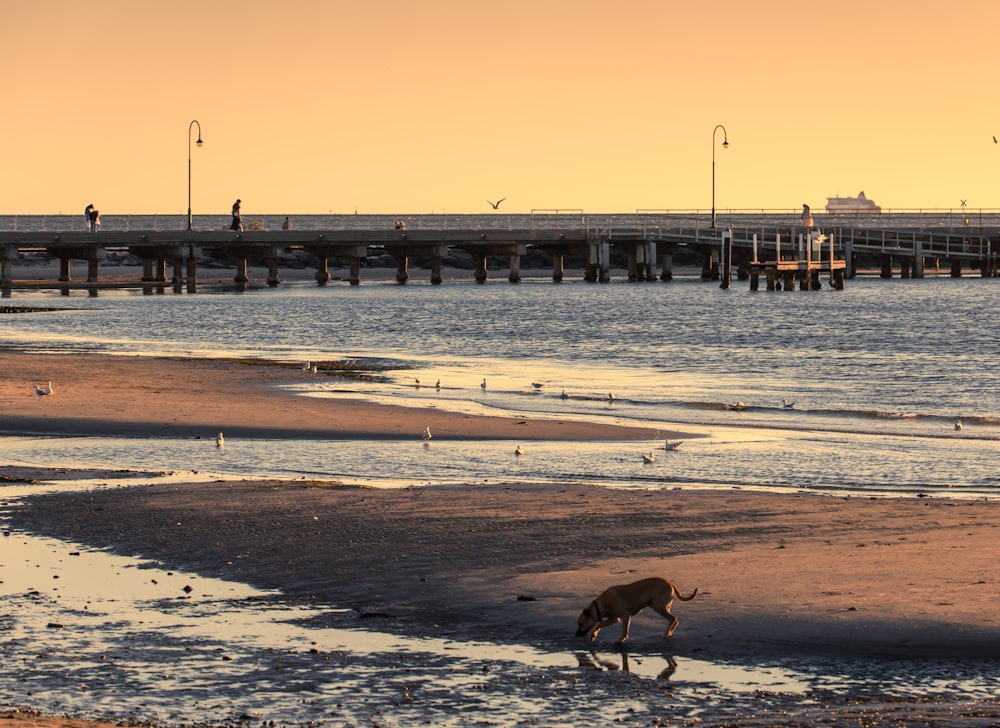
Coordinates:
838	205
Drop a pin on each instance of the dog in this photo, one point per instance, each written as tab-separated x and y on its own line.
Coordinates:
621	603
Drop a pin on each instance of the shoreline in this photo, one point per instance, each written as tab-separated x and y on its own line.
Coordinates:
154	396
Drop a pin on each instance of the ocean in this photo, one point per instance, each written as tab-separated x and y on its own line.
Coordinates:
879	374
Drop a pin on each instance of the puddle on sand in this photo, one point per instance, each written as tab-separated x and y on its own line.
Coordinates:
89	633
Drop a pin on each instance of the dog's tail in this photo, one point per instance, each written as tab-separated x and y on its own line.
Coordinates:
684	598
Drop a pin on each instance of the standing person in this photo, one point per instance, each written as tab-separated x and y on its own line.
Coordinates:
237	223
93	218
807	216
287	224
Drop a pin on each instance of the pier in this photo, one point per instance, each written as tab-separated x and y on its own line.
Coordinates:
774	248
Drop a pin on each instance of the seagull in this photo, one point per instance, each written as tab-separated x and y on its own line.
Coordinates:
671	446
417	381
537	385
496	205
648	458
564	395
786	404
958	424
43	391
437	385
220	441
307	367
518	451
611	397
314	369
483	385
427	433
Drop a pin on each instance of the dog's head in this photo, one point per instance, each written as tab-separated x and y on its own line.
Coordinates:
588	618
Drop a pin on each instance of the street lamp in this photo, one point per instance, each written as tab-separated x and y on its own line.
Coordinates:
725	145
199	143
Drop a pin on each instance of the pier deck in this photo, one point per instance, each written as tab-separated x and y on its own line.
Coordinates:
781	252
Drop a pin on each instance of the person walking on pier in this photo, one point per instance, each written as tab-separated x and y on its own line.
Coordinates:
237	223
93	218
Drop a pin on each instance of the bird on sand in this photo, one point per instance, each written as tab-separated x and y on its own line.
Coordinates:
427	433
220	441
43	391
564	395
537	385
518	451
611	397
437	385
786	404
671	446
483	385
958	424
648	458
496	205
307	367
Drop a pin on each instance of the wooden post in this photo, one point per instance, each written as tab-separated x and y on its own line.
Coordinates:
355	275
557	268
241	271
667	267
402	272
64	270
436	269
322	270
92	269
515	268
272	271
481	273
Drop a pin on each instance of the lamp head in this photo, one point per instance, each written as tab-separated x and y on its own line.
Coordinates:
199	142
725	144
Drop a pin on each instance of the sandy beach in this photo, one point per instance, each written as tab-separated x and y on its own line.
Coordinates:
777	573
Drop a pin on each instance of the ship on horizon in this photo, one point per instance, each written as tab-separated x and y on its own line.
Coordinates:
835	205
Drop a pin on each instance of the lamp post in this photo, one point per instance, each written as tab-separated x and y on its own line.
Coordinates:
725	145
199	143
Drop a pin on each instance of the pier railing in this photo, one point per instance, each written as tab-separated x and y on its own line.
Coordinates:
541	219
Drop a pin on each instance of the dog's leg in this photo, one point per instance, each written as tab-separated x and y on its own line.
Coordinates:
626	621
601	625
664	611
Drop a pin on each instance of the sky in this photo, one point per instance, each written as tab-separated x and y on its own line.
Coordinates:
438	106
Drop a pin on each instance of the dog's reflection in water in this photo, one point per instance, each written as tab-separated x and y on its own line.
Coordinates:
596	661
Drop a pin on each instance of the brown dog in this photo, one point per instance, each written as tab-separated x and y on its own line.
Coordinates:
621	603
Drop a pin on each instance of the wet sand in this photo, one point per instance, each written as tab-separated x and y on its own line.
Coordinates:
777	574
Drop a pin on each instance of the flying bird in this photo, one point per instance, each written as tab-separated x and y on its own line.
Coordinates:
994	138
496	205
43	391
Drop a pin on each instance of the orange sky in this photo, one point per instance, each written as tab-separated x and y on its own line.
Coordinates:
397	106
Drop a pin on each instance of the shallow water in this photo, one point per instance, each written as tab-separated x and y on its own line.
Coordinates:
94	634
879	374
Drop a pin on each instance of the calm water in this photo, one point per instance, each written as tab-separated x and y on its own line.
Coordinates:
878	373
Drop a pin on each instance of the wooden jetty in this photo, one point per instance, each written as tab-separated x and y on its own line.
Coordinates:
785	255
